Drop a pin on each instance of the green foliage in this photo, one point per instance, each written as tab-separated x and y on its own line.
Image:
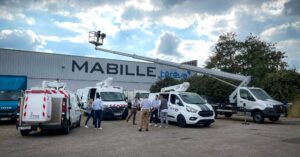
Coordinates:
212	89
161	83
282	85
250	57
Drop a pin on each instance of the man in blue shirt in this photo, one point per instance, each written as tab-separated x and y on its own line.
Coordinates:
97	107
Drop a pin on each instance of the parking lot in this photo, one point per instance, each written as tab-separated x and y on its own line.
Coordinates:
118	138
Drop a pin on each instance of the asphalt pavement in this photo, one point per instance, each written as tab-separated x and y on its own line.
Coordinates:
225	137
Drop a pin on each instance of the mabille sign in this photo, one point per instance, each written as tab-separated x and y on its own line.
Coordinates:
112	68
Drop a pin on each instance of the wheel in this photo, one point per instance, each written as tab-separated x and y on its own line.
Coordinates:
228	115
25	132
258	117
78	124
206	124
181	121
67	129
274	119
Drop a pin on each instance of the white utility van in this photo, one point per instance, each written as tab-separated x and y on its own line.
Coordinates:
112	97
51	107
186	107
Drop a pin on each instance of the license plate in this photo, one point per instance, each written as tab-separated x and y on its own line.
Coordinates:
24	127
118	114
5	118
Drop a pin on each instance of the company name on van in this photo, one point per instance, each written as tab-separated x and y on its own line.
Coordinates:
112	68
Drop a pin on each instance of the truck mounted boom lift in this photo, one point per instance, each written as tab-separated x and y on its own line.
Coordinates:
233	98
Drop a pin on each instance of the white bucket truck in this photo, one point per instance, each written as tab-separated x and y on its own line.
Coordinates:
50	107
112	98
253	101
186	107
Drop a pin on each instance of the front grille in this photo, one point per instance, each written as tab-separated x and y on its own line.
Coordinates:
206	113
278	108
117	109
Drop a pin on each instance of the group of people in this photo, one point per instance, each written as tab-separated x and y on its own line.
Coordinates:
150	110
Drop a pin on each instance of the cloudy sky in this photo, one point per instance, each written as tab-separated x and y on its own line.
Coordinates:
176	30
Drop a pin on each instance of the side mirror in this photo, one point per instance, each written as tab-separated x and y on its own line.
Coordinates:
69	107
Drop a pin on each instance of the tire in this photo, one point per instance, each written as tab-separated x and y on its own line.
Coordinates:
78	124
25	132
206	124
181	121
258	117
228	115
67	129
274	119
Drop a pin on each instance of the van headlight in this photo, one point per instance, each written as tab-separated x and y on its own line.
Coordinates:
190	109
270	106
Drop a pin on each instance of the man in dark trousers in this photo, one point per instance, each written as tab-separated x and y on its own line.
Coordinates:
134	105
97	107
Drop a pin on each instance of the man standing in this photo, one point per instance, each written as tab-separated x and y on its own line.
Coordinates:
97	107
154	111
145	109
134	105
163	111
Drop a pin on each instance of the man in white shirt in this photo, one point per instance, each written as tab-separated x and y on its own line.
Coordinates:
145	109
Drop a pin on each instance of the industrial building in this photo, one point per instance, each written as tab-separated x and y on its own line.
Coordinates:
79	71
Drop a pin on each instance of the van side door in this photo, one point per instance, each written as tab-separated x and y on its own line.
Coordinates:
74	109
175	106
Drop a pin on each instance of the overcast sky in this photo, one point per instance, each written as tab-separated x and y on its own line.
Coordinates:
176	30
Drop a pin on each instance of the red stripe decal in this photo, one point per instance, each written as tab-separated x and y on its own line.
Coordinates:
36	91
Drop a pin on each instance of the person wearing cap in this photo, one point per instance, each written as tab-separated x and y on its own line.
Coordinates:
145	109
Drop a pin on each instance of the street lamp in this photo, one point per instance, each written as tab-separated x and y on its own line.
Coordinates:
96	38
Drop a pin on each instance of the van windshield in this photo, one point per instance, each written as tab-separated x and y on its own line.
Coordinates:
260	94
111	96
192	98
9	95
142	95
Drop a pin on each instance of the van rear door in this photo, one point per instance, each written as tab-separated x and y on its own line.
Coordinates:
37	106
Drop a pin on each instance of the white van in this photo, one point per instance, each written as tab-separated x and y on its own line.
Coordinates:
186	107
112	97
48	108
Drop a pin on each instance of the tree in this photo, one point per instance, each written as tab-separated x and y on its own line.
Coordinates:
225	53
283	85
161	83
252	57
